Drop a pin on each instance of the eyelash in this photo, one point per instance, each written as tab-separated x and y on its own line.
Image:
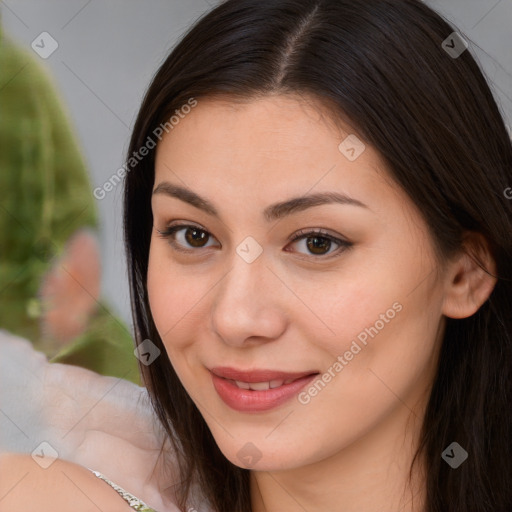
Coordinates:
170	231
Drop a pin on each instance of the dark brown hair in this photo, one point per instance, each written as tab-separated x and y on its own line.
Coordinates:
380	66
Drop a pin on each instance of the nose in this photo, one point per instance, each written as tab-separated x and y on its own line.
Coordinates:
248	307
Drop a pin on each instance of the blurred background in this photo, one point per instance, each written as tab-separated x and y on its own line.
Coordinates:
100	57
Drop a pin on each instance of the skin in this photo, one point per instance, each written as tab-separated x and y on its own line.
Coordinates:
351	446
63	486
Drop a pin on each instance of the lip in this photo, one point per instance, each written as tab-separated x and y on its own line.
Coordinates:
249	401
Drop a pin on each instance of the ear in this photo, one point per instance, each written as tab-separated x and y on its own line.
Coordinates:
470	278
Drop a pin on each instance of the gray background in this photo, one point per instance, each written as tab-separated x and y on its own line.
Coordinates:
109	50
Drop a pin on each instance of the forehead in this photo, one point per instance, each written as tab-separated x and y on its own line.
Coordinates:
273	120
286	135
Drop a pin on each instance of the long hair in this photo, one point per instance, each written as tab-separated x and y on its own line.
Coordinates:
382	67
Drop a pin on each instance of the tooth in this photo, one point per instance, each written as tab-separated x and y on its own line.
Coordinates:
242	385
288	381
259	386
276	383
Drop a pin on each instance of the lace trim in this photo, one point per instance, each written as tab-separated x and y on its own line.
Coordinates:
134	502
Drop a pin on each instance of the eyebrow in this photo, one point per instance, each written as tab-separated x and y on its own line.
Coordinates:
273	212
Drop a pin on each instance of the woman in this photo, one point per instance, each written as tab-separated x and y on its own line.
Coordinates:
324	215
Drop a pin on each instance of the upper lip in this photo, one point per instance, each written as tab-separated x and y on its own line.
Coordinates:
258	375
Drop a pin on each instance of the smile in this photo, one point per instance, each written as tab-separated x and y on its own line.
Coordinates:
252	395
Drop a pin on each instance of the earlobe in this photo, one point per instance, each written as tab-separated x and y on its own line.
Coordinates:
471	278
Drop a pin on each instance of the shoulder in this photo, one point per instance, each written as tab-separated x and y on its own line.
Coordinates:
62	486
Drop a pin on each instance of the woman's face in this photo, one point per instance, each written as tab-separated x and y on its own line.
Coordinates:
235	291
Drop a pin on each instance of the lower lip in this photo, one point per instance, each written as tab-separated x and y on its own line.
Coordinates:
247	400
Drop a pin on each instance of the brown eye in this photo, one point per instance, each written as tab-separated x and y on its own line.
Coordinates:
185	237
196	237
318	244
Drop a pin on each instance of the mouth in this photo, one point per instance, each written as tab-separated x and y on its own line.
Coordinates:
258	376
258	390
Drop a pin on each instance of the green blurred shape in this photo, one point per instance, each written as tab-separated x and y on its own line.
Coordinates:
45	197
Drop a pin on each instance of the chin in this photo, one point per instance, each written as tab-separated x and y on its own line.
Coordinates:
255	456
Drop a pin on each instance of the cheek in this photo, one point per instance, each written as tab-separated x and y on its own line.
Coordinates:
163	288
355	307
176	300
382	316
387	354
